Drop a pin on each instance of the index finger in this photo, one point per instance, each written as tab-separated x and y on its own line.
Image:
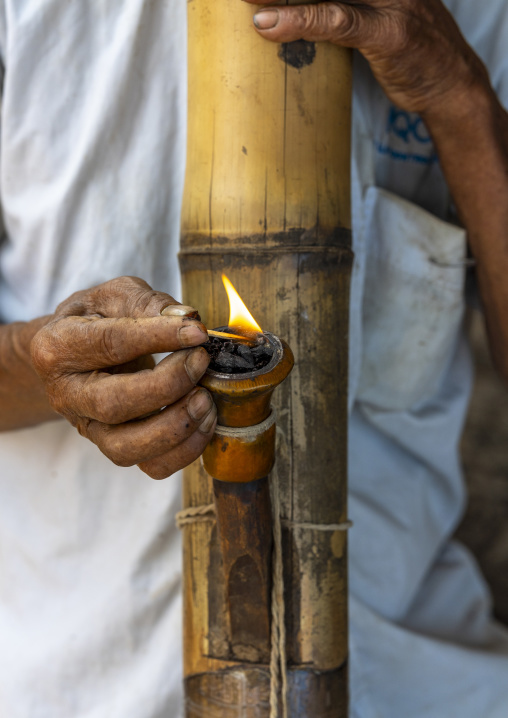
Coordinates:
79	344
122	297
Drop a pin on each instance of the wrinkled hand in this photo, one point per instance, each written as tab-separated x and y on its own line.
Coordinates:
94	358
414	47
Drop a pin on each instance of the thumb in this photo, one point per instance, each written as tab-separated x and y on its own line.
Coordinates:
335	22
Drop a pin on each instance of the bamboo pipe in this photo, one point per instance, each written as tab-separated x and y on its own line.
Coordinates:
239	458
267	202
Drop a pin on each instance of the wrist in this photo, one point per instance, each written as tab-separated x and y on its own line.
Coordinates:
23	400
20	339
465	107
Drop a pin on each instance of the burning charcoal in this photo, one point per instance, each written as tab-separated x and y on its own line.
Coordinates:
247	355
242	364
261	355
225	362
261	351
212	347
233	362
232	357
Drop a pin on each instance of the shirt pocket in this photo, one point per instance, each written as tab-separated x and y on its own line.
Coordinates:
413	301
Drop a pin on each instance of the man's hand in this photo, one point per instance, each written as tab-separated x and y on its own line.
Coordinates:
422	61
94	358
414	47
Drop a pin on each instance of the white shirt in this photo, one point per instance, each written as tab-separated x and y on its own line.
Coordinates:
92	162
93	135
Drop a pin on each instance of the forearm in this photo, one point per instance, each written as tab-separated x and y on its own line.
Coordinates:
471	136
23	399
420	58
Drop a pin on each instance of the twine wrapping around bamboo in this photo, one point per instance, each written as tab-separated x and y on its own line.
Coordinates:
278	661
195	514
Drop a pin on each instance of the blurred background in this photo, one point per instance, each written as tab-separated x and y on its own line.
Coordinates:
485	454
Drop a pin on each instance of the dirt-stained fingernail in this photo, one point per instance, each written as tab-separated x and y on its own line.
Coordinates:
199	404
180	310
196	363
209	420
190	335
266	19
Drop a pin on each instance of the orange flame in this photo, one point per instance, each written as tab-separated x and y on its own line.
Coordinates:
239	316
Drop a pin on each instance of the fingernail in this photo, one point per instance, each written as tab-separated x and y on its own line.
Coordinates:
208	421
266	19
179	310
196	364
199	404
190	335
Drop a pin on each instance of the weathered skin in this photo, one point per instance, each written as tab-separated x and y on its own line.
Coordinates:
414	47
93	357
424	64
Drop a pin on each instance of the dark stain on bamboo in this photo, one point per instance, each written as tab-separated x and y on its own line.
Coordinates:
298	54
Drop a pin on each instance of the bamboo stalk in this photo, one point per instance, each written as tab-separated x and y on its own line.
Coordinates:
267	202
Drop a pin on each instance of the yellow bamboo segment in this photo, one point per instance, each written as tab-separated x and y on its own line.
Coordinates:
258	138
267	202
